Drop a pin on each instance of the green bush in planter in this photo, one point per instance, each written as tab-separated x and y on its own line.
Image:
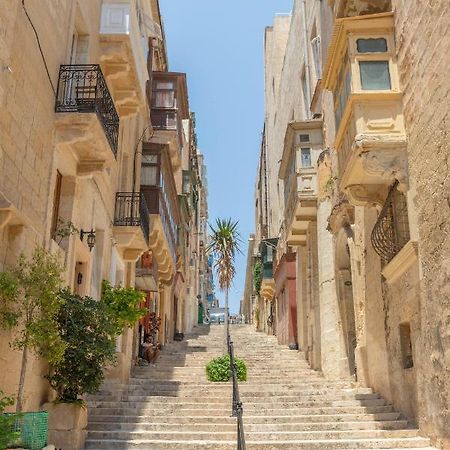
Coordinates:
89	333
218	369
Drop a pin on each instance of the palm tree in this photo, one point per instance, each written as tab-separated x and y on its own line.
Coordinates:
224	244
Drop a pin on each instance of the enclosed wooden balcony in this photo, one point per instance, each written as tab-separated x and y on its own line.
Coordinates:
362	73
268	255
298	170
147	273
126	32
169	107
87	122
158	188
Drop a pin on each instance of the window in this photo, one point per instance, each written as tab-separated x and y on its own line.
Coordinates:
306	157
305	95
304	138
371	45
269	258
150	170
317	56
290	178
375	75
163	95
342	91
373	61
406	345
56	203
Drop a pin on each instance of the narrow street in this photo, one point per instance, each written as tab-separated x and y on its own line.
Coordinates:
286	405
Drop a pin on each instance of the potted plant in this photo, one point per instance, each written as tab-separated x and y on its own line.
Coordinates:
89	335
89	329
29	304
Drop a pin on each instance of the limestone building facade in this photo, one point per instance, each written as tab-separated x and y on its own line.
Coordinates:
351	198
96	133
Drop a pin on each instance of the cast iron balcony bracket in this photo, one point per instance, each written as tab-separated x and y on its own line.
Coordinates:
391	231
82	88
131	211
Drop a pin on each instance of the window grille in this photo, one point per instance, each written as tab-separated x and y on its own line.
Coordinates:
391	231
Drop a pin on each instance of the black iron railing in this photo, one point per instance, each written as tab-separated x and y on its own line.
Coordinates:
82	88
237	409
131	211
391	231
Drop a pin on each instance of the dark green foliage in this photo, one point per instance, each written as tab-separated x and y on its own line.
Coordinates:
89	330
257	276
124	305
218	369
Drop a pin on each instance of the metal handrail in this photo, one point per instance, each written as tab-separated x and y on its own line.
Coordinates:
237	409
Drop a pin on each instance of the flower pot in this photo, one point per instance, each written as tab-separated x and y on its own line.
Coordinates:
67	424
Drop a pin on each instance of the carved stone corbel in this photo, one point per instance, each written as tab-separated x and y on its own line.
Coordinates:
366	194
342	214
387	164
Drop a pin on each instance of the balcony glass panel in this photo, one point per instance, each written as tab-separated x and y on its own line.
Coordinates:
306	157
375	75
371	45
163	99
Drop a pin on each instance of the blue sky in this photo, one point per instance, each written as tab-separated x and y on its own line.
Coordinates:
219	44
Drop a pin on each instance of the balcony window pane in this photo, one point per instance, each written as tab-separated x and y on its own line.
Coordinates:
375	75
164	85
149	175
164	99
306	157
371	45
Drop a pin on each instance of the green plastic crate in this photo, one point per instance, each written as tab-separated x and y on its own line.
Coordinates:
33	429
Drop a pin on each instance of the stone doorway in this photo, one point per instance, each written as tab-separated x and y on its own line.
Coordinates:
344	285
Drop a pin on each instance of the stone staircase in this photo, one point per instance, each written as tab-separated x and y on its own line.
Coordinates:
286	405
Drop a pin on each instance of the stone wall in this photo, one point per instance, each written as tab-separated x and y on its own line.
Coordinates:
30	155
423	42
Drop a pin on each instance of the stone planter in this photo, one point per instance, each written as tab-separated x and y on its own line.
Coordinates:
67	424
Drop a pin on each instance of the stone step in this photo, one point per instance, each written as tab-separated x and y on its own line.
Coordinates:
141	406
140	396
150	410
304	389
249	427
224	419
210	444
253	435
287	405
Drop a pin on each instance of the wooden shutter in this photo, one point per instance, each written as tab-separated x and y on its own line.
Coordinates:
56	202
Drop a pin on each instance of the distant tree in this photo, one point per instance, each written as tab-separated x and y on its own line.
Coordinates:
224	244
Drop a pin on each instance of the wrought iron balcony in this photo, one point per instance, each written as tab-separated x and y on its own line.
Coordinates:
131	211
391	231
82	88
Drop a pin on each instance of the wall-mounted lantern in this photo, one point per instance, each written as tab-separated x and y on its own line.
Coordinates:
90	238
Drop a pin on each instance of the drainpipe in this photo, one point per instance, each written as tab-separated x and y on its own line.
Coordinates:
306	53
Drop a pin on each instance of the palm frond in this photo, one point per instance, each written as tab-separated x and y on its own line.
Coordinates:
224	244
